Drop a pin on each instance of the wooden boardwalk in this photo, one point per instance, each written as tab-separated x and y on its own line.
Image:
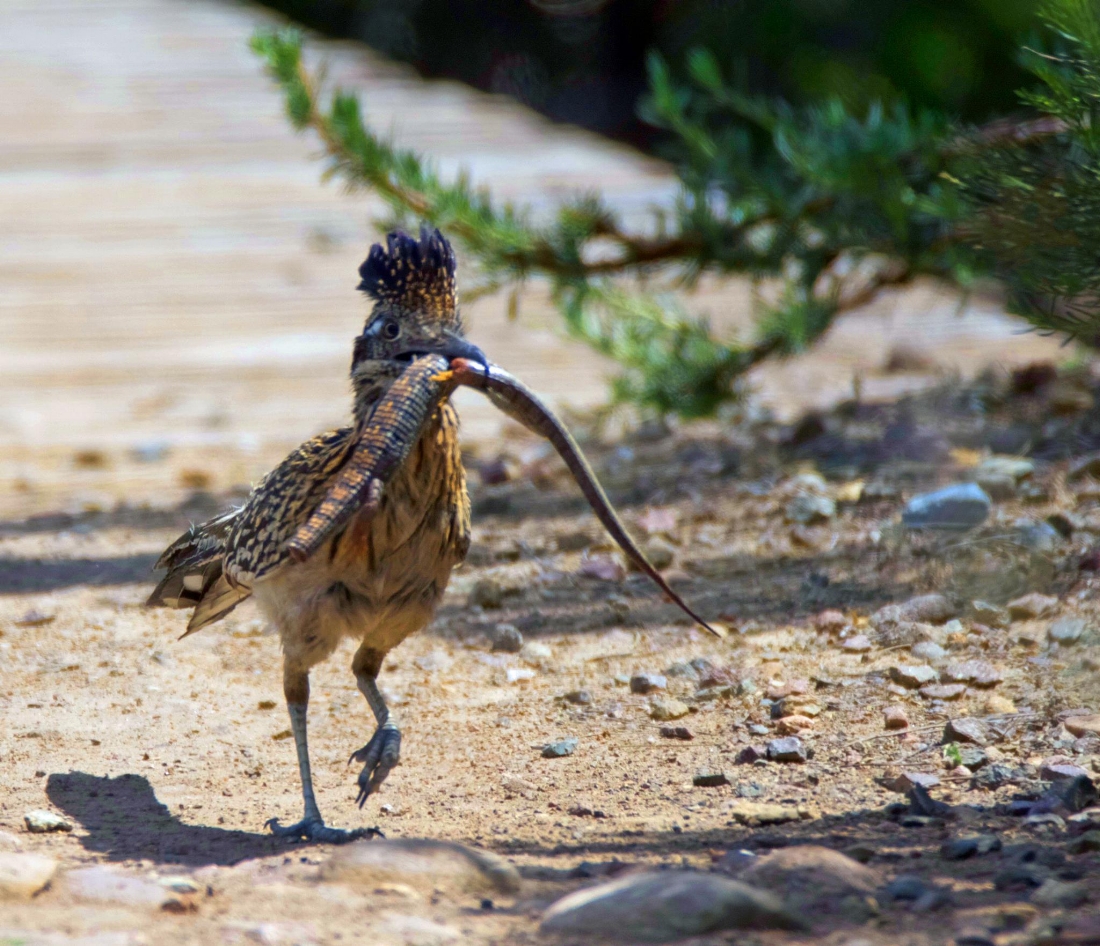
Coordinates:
174	276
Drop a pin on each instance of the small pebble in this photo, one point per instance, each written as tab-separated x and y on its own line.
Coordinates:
958	507
647	683
666	709
943	691
677	732
966	730
1067	631
1083	725
962	849
894	717
787	749
560	749
927	650
43	822
978	673
710	779
578	697
914	677
995	776
1032	606
792	725
751	754
856	644
507	638
988	614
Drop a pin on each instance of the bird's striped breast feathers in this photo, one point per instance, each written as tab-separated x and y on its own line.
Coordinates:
415	275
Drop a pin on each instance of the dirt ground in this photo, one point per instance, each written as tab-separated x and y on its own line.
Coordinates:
167	757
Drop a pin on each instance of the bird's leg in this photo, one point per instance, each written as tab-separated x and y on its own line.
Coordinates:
312	827
383	752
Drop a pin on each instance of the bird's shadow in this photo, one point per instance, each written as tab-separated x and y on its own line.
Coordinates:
125	821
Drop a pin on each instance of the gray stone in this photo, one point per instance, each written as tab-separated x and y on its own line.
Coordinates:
857	644
662	906
507	638
1057	771
1086	843
973	757
751	754
710	779
958	507
1061	894
423	864
989	614
1015	468
943	691
1032	606
905	887
659	551
927	650
923	609
978	673
907	781
1039	537
40	821
962	849
578	697
997	486
1067	630
811	879
677	732
24	875
787	749
996	775
647	682
966	730
807	509
559	749
912	678
667	709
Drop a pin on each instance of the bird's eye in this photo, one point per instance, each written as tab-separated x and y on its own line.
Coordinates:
390	330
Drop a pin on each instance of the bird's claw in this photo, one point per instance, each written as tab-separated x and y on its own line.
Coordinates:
314	829
379	756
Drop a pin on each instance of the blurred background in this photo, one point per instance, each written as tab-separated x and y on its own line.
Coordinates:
177	282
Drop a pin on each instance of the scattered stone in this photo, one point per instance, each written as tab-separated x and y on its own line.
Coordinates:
857	644
792	725
1061	894
710	694
995	775
578	697
507	638
1020	878
787	749
35	618
487	593
1077	793
513	783
923	609
927	650
906	887
758	730
749	790
1039	537
660	552
43	822
1066	631
751	754
1032	606
962	849
913	678
943	691
978	673
796	687
831	622
535	653
961	507
755	814
1056	770
559	749
807	509
966	730
662	906
710	779
423	864
894	717
997	486
1015	468
795	705
972	757
907	781
24	875
666	709
677	732
988	614
997	705
647	683
812	879
1085	843
602	569
1083	725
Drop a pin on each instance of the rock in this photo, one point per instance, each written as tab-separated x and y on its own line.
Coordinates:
943	691
710	694
1039	537
1077	793
423	864
100	884
507	638
709	779
487	593
923	609
961	507
907	781
535	652
666	709
559	749
792	725
811	879
787	749
1014	468
913	678
1083	725
1067	631
513	783
780	691
906	887
43	822
677	732
857	644
1085	843
996	775
989	614
972	757
1061	894
602	569
660	552
1057	771
795	705
997	486
808	509
24	875
962	849
894	717
1032	606
578	697
966	730
978	673
662	906
755	814
751	754
647	683
996	705
831	622
927	650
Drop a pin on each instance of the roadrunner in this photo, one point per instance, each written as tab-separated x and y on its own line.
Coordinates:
355	534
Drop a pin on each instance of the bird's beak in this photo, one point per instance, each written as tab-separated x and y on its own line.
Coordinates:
451	347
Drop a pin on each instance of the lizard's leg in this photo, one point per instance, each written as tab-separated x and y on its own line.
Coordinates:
312	827
383	752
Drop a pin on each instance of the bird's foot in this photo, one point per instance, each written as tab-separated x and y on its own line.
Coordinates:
314	829
378	756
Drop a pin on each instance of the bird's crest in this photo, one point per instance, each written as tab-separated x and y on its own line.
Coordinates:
415	275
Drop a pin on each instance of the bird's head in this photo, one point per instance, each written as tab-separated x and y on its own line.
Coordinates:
412	283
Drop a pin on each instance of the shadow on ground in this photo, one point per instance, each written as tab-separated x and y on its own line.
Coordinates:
125	821
33	575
